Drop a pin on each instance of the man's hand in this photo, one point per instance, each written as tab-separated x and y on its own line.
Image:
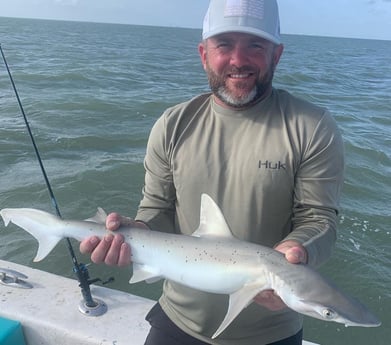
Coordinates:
112	249
295	253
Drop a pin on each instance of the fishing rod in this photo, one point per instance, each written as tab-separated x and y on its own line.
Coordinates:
88	306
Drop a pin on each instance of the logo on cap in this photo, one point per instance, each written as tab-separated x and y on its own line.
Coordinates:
244	8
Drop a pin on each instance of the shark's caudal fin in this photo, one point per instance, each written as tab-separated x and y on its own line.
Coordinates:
37	223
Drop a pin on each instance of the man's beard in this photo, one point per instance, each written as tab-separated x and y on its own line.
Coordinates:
219	88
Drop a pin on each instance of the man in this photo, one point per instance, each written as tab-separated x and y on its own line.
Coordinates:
272	162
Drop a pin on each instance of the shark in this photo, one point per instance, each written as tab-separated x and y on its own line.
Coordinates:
212	259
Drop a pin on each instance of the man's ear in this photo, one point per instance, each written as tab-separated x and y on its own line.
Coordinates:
278	50
202	52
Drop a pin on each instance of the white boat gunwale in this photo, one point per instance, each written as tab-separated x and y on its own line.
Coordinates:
50	311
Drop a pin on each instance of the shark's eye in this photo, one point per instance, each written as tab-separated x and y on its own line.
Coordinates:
329	314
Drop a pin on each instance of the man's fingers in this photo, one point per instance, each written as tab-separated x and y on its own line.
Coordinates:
113	253
112	249
124	255
270	300
99	254
296	255
113	221
88	245
294	252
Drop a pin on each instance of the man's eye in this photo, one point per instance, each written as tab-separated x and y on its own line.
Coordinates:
222	45
258	46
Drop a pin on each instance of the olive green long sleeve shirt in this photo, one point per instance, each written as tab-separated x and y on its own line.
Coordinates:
275	170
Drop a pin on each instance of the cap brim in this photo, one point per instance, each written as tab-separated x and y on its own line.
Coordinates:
241	29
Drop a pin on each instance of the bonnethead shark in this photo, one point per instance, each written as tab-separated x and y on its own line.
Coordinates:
211	260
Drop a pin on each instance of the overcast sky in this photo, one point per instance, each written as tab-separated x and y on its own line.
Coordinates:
341	18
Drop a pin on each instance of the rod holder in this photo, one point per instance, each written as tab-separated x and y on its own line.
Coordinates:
97	308
89	306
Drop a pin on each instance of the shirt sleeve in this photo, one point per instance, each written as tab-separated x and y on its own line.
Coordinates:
318	185
157	208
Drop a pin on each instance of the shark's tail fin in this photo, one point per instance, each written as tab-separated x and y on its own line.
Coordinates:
36	223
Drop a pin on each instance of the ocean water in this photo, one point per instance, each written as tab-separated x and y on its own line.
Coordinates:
92	92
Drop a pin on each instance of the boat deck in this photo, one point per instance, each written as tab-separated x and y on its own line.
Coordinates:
49	312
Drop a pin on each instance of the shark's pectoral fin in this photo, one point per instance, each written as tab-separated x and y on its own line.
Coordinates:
143	272
237	302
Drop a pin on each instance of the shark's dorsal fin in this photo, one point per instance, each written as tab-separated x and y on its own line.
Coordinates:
99	218
212	221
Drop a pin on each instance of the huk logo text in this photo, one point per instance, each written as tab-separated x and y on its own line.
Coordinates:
270	165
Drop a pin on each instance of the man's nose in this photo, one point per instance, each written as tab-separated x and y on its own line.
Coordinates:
239	56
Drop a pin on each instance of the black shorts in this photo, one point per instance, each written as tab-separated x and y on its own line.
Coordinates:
164	332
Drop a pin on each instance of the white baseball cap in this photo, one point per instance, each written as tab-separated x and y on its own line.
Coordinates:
256	17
